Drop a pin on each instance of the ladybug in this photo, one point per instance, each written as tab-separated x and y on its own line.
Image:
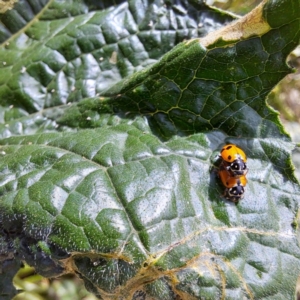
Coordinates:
234	160
234	186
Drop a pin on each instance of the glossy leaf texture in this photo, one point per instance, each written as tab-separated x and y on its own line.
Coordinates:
196	88
110	127
71	50
59	52
124	208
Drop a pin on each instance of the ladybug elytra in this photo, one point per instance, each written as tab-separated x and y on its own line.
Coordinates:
234	160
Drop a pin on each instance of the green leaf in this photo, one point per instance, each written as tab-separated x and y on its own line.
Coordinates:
58	59
201	89
120	187
121	199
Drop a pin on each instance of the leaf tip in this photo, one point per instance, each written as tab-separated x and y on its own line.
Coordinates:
252	24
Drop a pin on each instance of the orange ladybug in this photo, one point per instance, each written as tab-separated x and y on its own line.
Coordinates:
234	160
234	185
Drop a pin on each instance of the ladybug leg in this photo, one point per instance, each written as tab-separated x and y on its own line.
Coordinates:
236	201
225	194
227	168
217	158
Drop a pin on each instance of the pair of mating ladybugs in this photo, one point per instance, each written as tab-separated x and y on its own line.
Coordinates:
232	172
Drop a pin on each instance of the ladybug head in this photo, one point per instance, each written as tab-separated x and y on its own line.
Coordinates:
236	191
238	167
235	194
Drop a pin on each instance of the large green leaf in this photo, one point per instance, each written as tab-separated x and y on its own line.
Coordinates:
120	186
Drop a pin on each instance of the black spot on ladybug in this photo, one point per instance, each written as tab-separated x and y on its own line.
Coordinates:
229	147
229	157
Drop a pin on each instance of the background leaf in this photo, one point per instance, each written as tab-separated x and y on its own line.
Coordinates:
68	52
120	187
